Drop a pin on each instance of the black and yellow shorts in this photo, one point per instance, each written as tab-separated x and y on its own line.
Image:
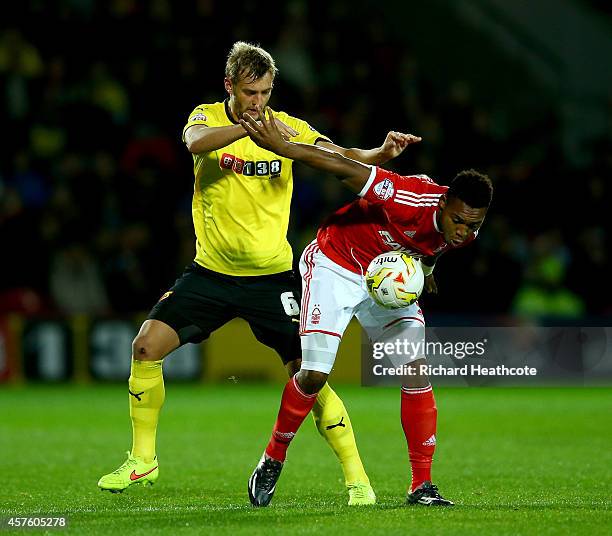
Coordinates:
202	301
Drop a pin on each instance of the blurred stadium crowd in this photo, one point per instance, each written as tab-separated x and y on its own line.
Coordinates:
95	184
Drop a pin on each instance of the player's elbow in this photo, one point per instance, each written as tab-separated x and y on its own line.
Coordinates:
195	141
352	174
192	146
344	165
353	183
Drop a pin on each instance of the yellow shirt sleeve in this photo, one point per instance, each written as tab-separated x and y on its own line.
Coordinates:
202	115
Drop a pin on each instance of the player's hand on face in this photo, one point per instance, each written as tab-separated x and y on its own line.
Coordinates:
264	132
430	285
396	142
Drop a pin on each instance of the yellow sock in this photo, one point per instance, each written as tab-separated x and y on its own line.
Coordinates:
334	425
146	396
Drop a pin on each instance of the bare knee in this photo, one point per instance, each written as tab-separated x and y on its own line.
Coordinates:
144	349
154	341
311	381
293	367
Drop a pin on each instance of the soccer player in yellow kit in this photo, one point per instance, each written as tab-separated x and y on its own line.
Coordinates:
243	263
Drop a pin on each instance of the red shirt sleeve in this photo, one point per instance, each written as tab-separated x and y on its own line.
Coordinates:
386	188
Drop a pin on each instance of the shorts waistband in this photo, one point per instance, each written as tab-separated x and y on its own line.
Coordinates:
198	268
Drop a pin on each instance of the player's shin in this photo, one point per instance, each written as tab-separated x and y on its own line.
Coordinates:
419	415
146	394
334	424
295	405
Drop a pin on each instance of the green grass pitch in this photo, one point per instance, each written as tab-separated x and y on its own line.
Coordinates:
515	460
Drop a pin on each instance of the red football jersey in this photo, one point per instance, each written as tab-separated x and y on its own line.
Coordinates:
396	213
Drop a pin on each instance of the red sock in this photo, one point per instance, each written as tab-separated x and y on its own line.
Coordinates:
419	415
295	405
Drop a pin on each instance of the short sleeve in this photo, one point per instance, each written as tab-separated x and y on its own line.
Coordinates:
402	196
201	115
384	186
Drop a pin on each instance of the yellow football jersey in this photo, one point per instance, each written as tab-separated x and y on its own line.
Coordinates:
241	199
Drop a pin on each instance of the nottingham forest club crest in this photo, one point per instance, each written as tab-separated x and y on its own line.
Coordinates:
249	168
315	316
384	189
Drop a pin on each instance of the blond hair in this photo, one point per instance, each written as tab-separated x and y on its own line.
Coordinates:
246	60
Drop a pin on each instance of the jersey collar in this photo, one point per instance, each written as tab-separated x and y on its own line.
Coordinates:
228	112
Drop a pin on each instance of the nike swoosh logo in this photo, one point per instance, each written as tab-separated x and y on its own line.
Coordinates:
295	320
134	476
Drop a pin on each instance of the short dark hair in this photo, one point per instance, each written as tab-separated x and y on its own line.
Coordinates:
246	60
473	188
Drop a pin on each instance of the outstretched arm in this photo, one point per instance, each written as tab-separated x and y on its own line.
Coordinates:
266	134
393	146
353	174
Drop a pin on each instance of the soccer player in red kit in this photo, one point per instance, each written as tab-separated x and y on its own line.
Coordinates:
394	212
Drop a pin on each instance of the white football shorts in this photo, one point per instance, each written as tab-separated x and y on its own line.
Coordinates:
331	296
